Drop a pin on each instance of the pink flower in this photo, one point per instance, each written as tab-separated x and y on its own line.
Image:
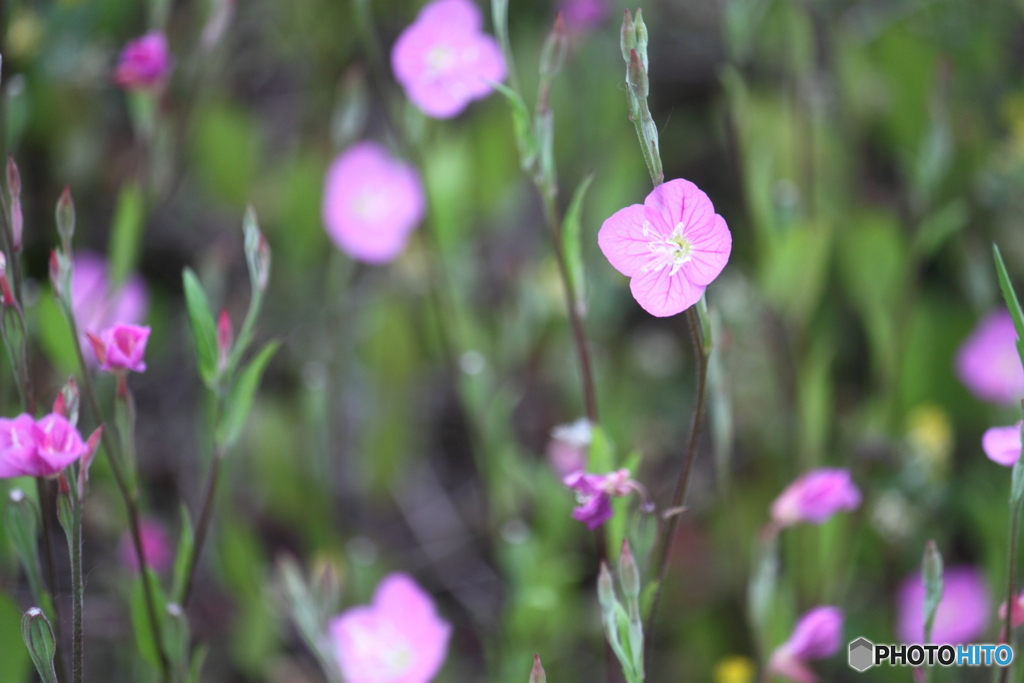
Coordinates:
817	635
988	363
672	246
963	611
144	62
121	347
96	306
371	203
815	496
583	15
444	61
397	639
567	450
156	547
1002	444
38	448
1018	611
594	494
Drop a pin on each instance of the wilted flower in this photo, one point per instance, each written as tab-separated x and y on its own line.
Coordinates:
144	62
988	363
962	614
121	347
672	246
38	448
817	635
815	496
568	447
444	61
1002	444
594	494
398	639
96	306
156	547
371	203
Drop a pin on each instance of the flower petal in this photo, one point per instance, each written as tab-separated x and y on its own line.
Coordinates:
712	244
679	202
662	294
623	242
1002	444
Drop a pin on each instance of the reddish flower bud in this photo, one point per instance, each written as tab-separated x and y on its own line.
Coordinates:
14	191
5	285
556	46
55	273
92	447
224	339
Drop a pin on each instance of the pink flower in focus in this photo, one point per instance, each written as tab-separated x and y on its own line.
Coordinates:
444	61
121	347
815	496
817	635
963	611
672	246
156	547
371	203
567	450
594	494
583	15
144	62
987	362
96	306
1002	444
38	448
398	639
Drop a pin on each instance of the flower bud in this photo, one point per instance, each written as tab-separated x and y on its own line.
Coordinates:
641	36
6	296
14	192
627	39
629	575
67	402
636	76
92	446
537	674
55	273
38	637
257	251
326	584
66	218
224	339
60	274
556	46
605	589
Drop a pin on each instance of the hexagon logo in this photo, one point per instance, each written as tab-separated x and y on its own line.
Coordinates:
862	654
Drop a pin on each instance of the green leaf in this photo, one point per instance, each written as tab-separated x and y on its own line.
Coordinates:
521	124
571	243
183	557
15	662
55	334
203	331
198	657
931	570
240	402
1010	297
939	226
601	457
126	233
144	637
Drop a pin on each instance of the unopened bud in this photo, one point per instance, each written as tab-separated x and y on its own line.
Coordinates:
636	76
14	192
5	285
537	674
326	584
556	46
605	589
224	339
68	401
60	274
641	36
263	264
257	251
38	637
92	446
627	39
629	575
55	273
66	218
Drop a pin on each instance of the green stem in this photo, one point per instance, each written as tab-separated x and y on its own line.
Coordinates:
77	596
1011	561
203	526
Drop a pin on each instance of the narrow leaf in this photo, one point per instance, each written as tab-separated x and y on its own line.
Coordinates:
144	637
203	330
183	557
931	570
526	142
126	233
1010	297
240	402
571	243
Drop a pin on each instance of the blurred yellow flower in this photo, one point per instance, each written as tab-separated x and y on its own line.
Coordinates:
930	434
734	669
24	33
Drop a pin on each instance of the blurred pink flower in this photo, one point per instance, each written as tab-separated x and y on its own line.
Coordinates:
962	615
818	634
1018	611
567	450
144	62
815	496
121	347
987	361
583	15
156	547
371	203
594	494
38	448
444	61
398	639
96	307
672	246
1002	444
